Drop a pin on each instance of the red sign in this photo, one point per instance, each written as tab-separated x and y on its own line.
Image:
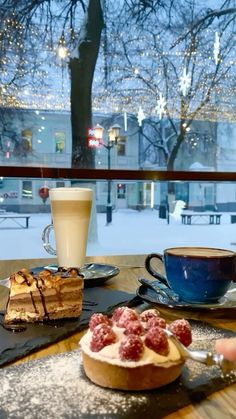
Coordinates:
93	142
44	193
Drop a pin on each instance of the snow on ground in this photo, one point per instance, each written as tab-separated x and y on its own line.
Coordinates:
131	232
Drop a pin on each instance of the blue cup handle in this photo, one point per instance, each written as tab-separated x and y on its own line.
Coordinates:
150	269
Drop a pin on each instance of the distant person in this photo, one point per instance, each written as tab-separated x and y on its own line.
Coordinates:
227	347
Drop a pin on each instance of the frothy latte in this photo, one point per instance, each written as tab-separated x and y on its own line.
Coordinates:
199	252
71	209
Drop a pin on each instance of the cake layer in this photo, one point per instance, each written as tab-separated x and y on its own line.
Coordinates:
45	296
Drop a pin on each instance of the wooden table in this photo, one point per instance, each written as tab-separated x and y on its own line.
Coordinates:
221	404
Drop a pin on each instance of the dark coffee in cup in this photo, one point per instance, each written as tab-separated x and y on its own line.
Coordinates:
196	274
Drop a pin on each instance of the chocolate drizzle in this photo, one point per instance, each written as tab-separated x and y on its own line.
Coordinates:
15	328
59	296
31	294
33	302
25	277
46	316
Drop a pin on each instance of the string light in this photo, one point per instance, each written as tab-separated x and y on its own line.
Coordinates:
62	51
185	82
161	104
216	48
140	116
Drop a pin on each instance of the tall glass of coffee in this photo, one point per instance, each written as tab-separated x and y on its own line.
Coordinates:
71	209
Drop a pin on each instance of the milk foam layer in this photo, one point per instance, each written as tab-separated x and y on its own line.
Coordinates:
199	252
68	194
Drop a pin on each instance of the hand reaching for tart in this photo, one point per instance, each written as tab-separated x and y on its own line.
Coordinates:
227	347
132	352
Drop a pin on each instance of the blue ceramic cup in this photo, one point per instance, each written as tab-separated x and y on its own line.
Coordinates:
196	274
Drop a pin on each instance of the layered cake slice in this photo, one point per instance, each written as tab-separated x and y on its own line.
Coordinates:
45	296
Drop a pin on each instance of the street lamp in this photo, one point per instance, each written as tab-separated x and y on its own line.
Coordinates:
98	132
113	136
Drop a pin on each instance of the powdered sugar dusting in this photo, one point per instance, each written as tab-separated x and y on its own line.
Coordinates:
56	387
201	332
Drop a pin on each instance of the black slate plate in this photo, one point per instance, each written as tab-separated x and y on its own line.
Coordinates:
18	344
56	387
225	307
95	274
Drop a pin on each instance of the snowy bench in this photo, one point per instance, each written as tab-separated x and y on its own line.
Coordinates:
195	217
233	218
15	219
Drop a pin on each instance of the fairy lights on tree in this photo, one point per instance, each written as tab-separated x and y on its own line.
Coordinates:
147	49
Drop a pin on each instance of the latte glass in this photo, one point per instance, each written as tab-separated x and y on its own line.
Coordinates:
71	209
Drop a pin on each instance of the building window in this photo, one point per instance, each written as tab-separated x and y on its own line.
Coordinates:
121	146
121	190
60	184
60	141
27	137
27	189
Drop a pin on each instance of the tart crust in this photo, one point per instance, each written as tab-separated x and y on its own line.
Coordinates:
144	377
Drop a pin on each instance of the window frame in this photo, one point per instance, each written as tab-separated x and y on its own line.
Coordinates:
113	174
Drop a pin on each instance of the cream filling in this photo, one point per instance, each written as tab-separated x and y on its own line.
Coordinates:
110	353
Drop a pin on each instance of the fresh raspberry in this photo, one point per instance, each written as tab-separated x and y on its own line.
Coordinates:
96	319
156	340
102	336
131	348
182	330
127	316
117	313
148	314
156	321
134	327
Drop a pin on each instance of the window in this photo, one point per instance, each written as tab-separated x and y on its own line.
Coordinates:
60	139
27	189
121	146
121	190
175	104
27	137
60	184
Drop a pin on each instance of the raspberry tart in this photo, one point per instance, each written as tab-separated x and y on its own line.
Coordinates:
132	352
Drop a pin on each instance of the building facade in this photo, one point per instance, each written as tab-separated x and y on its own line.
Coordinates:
43	138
